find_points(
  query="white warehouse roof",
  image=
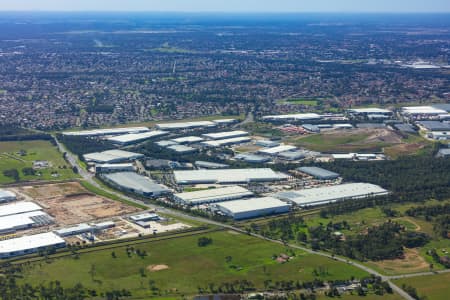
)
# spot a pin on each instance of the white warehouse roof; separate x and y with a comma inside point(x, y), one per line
point(107, 131)
point(306, 116)
point(18, 208)
point(13, 222)
point(29, 243)
point(248, 208)
point(373, 110)
point(7, 196)
point(227, 176)
point(324, 195)
point(276, 150)
point(136, 137)
point(111, 156)
point(225, 134)
point(187, 139)
point(419, 110)
point(213, 195)
point(225, 142)
point(185, 125)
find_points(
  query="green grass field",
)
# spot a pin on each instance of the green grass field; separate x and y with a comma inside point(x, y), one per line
point(434, 287)
point(35, 150)
point(189, 266)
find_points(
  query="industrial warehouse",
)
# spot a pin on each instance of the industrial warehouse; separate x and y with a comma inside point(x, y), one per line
point(253, 207)
point(132, 138)
point(212, 195)
point(225, 135)
point(112, 156)
point(330, 194)
point(30, 244)
point(227, 176)
point(134, 183)
point(319, 173)
point(107, 131)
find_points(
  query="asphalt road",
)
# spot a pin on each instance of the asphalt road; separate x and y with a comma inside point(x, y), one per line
point(175, 213)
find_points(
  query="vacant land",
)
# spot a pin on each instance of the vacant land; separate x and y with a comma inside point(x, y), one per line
point(362, 140)
point(434, 287)
point(21, 154)
point(358, 222)
point(70, 203)
point(183, 266)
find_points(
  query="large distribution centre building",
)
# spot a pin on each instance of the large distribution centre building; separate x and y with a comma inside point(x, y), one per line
point(277, 150)
point(319, 173)
point(18, 208)
point(253, 207)
point(329, 194)
point(132, 182)
point(187, 140)
point(132, 138)
point(212, 195)
point(108, 131)
point(225, 135)
point(185, 125)
point(112, 156)
point(227, 176)
point(13, 223)
point(30, 244)
point(227, 142)
point(294, 117)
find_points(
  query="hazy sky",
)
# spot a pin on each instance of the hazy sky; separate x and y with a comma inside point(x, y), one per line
point(232, 5)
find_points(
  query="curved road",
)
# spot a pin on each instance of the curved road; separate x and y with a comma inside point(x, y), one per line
point(175, 213)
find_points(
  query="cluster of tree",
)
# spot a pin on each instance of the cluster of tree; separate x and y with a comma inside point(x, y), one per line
point(9, 133)
point(204, 241)
point(409, 178)
point(381, 242)
point(10, 289)
point(81, 145)
point(412, 292)
point(441, 226)
point(12, 173)
point(28, 171)
point(237, 286)
point(428, 211)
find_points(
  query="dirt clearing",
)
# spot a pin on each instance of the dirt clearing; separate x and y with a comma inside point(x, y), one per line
point(411, 263)
point(156, 268)
point(70, 203)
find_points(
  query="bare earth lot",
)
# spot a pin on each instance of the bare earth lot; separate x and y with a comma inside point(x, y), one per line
point(70, 203)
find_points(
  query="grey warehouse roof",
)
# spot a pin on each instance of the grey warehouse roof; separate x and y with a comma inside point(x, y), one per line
point(131, 180)
point(252, 204)
point(318, 172)
point(213, 195)
point(227, 176)
point(136, 137)
point(112, 156)
point(324, 195)
point(435, 125)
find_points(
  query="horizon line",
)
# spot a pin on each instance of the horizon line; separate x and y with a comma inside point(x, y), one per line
point(224, 12)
